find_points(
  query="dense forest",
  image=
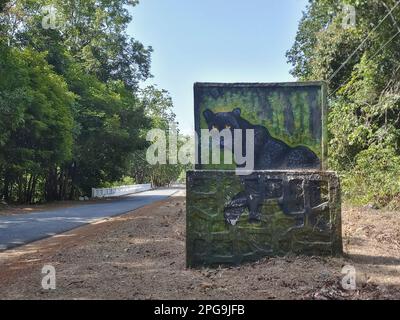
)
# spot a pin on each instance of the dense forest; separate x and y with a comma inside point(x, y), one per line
point(361, 64)
point(72, 114)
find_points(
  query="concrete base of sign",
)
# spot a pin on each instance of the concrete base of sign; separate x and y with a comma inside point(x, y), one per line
point(234, 219)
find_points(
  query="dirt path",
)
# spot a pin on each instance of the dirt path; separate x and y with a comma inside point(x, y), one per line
point(141, 255)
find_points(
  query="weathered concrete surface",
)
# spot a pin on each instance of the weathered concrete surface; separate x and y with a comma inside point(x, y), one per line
point(294, 113)
point(233, 219)
point(300, 212)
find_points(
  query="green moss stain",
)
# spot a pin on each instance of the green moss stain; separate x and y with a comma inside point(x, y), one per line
point(266, 106)
point(210, 240)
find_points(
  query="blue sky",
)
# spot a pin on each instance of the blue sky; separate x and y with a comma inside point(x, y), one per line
point(215, 41)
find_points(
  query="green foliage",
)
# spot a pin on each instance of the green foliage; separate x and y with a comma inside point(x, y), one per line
point(158, 175)
point(158, 105)
point(109, 120)
point(374, 178)
point(71, 114)
point(39, 135)
point(364, 93)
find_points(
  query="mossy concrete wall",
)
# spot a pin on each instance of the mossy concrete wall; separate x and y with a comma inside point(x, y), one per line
point(233, 219)
point(303, 229)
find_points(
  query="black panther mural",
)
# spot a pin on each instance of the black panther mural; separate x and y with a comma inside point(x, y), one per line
point(269, 154)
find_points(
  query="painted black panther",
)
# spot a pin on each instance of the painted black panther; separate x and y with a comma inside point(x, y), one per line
point(269, 154)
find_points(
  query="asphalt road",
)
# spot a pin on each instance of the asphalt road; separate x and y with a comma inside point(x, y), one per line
point(16, 230)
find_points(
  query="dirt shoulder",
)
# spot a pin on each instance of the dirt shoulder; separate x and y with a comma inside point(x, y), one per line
point(7, 210)
point(141, 255)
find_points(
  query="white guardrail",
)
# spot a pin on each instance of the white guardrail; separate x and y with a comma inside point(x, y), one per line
point(119, 191)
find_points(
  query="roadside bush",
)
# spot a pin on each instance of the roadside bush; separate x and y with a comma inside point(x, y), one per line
point(375, 179)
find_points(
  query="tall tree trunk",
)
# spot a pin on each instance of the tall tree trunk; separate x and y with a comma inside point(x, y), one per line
point(61, 180)
point(51, 185)
point(6, 191)
point(20, 192)
point(28, 186)
point(32, 189)
point(72, 173)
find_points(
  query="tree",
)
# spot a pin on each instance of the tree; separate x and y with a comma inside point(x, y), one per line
point(110, 121)
point(39, 135)
point(362, 70)
point(70, 113)
point(158, 106)
point(93, 32)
